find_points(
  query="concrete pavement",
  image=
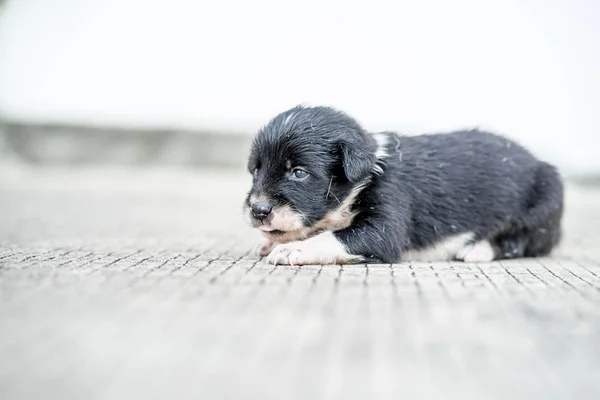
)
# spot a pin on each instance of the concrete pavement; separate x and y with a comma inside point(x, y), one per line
point(122, 284)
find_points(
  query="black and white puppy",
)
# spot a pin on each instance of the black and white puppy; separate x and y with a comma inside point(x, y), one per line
point(325, 191)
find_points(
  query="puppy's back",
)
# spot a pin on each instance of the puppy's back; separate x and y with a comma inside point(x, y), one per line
point(463, 181)
point(464, 160)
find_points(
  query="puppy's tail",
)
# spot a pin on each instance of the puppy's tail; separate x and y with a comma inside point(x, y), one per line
point(546, 203)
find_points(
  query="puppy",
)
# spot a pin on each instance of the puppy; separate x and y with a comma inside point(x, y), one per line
point(325, 191)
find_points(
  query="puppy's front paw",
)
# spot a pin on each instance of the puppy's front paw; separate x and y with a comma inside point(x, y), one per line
point(294, 253)
point(321, 249)
point(264, 248)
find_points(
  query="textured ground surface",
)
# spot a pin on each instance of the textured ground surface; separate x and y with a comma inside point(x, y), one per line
point(123, 285)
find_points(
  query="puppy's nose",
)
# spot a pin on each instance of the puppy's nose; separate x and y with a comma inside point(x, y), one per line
point(261, 209)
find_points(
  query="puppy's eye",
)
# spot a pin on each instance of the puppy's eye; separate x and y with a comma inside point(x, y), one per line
point(298, 174)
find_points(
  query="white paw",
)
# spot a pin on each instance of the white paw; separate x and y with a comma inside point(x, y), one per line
point(264, 248)
point(323, 248)
point(293, 253)
point(476, 252)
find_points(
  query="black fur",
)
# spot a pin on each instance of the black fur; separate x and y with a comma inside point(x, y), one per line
point(432, 186)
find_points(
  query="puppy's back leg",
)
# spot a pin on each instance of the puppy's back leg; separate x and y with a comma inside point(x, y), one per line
point(512, 245)
point(540, 229)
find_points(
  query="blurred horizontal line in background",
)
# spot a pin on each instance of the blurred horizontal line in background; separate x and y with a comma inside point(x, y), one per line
point(74, 145)
point(64, 145)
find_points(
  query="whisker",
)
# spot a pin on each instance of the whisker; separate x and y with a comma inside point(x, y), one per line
point(338, 200)
point(304, 218)
point(307, 223)
point(329, 191)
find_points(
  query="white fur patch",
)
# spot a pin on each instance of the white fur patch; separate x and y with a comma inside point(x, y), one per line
point(323, 248)
point(382, 142)
point(481, 251)
point(444, 250)
point(381, 152)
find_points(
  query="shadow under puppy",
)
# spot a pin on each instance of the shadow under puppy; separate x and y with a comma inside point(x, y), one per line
point(325, 191)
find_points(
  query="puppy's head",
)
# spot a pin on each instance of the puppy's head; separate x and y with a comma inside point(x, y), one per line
point(308, 164)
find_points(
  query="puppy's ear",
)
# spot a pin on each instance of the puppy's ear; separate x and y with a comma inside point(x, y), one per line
point(357, 158)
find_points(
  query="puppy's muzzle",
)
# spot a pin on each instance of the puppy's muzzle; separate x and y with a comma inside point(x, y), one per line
point(261, 210)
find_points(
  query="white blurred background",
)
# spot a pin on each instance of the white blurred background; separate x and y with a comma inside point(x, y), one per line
point(529, 69)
